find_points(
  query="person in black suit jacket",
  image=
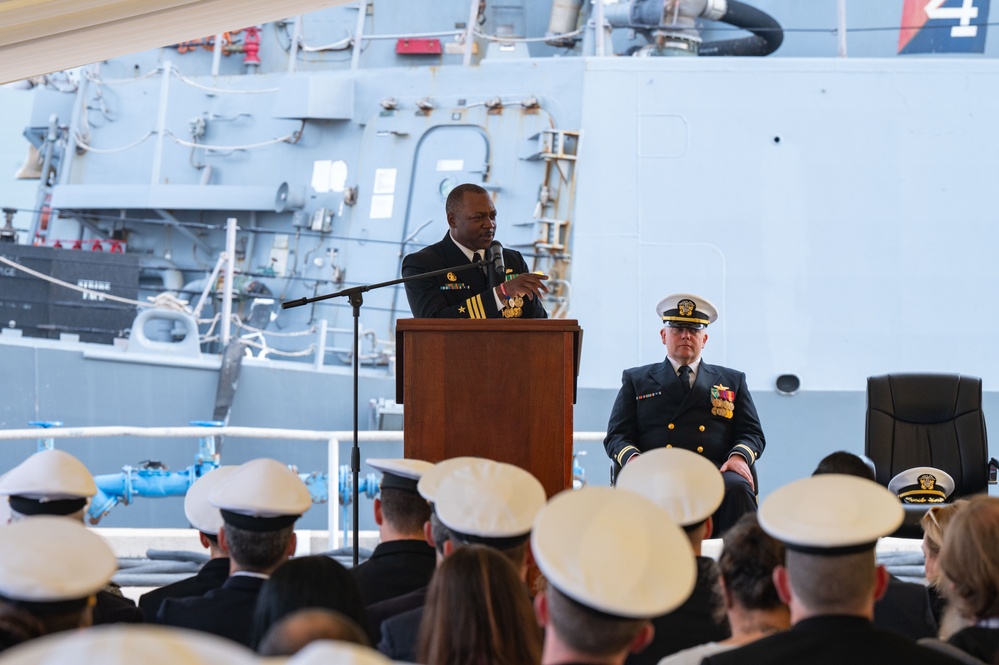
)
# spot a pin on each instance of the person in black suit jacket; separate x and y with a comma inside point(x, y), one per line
point(466, 294)
point(905, 607)
point(708, 410)
point(260, 502)
point(403, 561)
point(206, 518)
point(830, 579)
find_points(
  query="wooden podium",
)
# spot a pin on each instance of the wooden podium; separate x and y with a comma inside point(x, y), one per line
point(496, 388)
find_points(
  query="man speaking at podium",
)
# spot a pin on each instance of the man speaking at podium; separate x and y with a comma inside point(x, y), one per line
point(504, 288)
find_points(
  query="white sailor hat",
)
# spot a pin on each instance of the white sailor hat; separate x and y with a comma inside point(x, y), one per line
point(202, 515)
point(489, 501)
point(50, 482)
point(595, 546)
point(123, 644)
point(52, 564)
point(400, 474)
point(683, 310)
point(686, 485)
point(922, 484)
point(431, 478)
point(324, 652)
point(261, 495)
point(830, 514)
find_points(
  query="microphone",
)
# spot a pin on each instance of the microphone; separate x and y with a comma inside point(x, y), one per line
point(496, 270)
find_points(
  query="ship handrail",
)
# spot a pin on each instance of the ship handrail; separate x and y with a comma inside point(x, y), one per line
point(332, 438)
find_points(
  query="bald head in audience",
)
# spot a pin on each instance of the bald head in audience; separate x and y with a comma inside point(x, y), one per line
point(295, 631)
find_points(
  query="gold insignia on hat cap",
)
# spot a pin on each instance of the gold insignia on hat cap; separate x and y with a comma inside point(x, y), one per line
point(686, 310)
point(49, 475)
point(596, 546)
point(830, 514)
point(922, 484)
point(50, 559)
point(686, 485)
point(487, 499)
point(262, 488)
point(431, 478)
point(202, 515)
point(123, 644)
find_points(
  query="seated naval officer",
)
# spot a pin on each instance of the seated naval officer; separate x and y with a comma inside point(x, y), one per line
point(689, 488)
point(207, 519)
point(608, 574)
point(482, 502)
point(403, 561)
point(300, 628)
point(466, 294)
point(51, 569)
point(905, 606)
point(684, 402)
point(53, 482)
point(435, 533)
point(830, 524)
point(260, 502)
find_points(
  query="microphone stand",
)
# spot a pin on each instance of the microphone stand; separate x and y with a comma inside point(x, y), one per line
point(355, 296)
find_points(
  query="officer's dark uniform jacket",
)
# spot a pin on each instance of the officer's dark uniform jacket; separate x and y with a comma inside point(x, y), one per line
point(716, 417)
point(465, 294)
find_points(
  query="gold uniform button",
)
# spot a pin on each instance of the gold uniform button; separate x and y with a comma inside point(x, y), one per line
point(701, 428)
point(669, 445)
point(670, 426)
point(700, 449)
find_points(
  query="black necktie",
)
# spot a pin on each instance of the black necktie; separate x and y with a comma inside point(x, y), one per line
point(476, 258)
point(685, 378)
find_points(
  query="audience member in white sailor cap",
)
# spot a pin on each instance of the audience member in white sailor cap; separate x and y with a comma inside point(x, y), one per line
point(689, 488)
point(436, 535)
point(260, 502)
point(402, 561)
point(922, 485)
point(905, 606)
point(50, 482)
point(476, 501)
point(830, 524)
point(608, 571)
point(53, 482)
point(51, 569)
point(126, 645)
point(207, 519)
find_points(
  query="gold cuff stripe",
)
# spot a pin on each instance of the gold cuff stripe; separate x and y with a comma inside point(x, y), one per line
point(475, 309)
point(752, 455)
point(620, 455)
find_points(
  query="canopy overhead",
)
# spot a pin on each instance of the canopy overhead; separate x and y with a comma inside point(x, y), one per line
point(43, 36)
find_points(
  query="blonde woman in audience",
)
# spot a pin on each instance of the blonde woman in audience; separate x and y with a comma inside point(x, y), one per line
point(935, 523)
point(478, 612)
point(753, 607)
point(969, 564)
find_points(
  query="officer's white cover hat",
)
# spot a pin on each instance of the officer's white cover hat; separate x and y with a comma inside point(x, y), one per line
point(595, 545)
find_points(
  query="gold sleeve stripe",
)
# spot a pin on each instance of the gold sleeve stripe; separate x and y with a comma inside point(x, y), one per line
point(475, 308)
point(626, 449)
point(752, 456)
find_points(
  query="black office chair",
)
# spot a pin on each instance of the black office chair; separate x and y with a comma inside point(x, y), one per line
point(928, 420)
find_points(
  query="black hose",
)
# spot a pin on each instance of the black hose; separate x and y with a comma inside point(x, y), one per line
point(766, 38)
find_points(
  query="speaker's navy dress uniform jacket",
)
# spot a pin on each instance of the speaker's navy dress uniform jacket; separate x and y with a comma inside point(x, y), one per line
point(462, 295)
point(653, 411)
